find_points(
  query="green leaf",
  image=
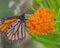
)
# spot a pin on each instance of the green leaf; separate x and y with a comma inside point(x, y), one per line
point(44, 3)
point(49, 45)
point(57, 8)
point(43, 41)
point(57, 27)
point(51, 3)
point(37, 1)
point(58, 2)
point(18, 15)
point(31, 5)
point(51, 38)
point(27, 16)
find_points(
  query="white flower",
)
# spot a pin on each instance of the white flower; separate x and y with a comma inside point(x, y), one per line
point(16, 11)
point(11, 4)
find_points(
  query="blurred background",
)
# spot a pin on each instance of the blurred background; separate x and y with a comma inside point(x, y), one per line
point(12, 7)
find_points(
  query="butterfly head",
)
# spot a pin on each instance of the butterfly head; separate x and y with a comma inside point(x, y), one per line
point(22, 18)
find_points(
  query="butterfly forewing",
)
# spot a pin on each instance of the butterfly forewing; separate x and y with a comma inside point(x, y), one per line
point(6, 22)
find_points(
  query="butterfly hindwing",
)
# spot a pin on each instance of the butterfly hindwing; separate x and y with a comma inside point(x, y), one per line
point(21, 31)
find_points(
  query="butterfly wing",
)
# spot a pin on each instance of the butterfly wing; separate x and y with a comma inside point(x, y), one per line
point(16, 31)
point(13, 29)
point(6, 22)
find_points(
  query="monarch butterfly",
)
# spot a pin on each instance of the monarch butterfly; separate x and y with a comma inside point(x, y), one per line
point(13, 27)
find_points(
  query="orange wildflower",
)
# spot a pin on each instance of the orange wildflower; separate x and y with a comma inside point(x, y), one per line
point(41, 21)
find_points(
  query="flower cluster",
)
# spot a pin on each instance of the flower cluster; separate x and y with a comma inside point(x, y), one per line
point(41, 22)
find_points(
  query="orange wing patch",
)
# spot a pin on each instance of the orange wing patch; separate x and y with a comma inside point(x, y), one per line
point(6, 24)
point(4, 27)
point(10, 20)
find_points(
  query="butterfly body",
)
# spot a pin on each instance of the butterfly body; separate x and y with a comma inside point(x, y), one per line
point(22, 18)
point(13, 27)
